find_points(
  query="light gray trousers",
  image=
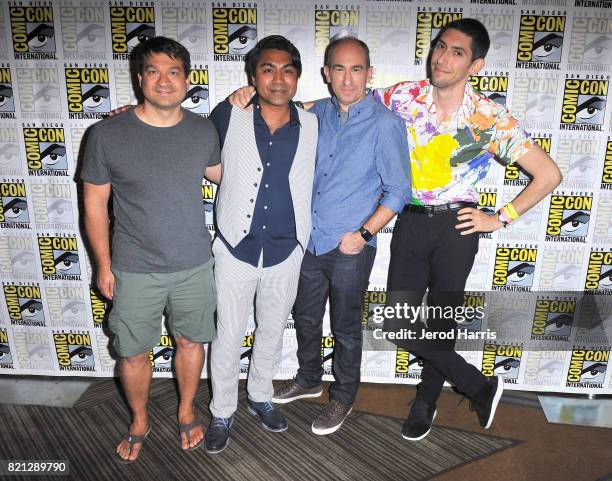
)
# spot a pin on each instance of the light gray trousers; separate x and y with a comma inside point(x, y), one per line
point(274, 289)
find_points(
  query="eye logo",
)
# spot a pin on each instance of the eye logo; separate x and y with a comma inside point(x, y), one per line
point(130, 26)
point(568, 218)
point(502, 360)
point(6, 358)
point(197, 98)
point(24, 304)
point(540, 41)
point(14, 206)
point(46, 151)
point(162, 355)
point(33, 32)
point(584, 104)
point(327, 353)
point(7, 99)
point(553, 319)
point(428, 26)
point(59, 258)
point(246, 351)
point(587, 368)
point(494, 87)
point(74, 351)
point(88, 92)
point(514, 268)
point(591, 42)
point(234, 32)
point(599, 272)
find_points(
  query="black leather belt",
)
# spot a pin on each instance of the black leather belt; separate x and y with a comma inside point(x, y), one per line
point(437, 209)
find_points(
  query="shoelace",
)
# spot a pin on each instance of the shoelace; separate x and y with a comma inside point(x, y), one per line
point(267, 406)
point(332, 409)
point(286, 385)
point(223, 423)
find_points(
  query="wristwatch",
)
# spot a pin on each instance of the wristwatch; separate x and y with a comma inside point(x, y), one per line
point(366, 234)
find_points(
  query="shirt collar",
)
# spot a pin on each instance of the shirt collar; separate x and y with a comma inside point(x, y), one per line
point(366, 102)
point(294, 117)
point(467, 105)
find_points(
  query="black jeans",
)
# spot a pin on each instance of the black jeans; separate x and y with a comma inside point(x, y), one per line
point(344, 279)
point(428, 252)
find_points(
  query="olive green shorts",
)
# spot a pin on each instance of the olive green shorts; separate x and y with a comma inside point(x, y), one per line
point(139, 300)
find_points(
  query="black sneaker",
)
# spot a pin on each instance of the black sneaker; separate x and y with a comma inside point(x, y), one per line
point(485, 402)
point(418, 423)
point(270, 417)
point(218, 434)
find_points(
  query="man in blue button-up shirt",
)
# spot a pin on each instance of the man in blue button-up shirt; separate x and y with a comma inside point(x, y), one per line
point(362, 179)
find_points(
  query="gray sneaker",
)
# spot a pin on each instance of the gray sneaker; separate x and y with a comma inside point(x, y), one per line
point(290, 390)
point(331, 418)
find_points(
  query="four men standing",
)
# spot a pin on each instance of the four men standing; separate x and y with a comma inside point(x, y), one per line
point(362, 179)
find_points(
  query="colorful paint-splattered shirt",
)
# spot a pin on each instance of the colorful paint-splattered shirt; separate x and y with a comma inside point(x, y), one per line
point(447, 159)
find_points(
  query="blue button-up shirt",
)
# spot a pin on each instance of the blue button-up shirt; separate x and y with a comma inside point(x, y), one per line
point(358, 162)
point(273, 224)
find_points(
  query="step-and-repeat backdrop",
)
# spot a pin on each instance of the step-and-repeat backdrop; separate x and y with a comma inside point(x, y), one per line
point(541, 285)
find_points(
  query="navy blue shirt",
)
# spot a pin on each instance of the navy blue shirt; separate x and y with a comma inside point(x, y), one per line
point(273, 225)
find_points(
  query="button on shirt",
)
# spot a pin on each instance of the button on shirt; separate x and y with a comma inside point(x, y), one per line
point(273, 225)
point(357, 160)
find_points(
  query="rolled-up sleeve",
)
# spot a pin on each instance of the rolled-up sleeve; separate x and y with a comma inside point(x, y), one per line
point(393, 164)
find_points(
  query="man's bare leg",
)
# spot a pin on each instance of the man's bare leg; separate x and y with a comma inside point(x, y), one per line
point(135, 373)
point(188, 362)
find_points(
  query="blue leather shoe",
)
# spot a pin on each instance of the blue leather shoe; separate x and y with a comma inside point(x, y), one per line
point(270, 417)
point(218, 434)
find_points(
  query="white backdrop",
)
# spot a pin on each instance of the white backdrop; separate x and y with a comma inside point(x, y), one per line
point(63, 64)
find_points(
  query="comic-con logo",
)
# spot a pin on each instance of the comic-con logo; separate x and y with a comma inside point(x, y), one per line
point(14, 213)
point(388, 35)
point(533, 100)
point(584, 104)
point(606, 176)
point(59, 258)
point(553, 319)
point(487, 199)
point(52, 205)
point(234, 33)
point(17, 259)
point(208, 199)
point(587, 368)
point(246, 351)
point(333, 24)
point(599, 273)
point(407, 365)
point(83, 32)
point(544, 368)
point(372, 300)
point(514, 175)
point(46, 150)
point(502, 360)
point(10, 158)
point(428, 25)
point(32, 349)
point(88, 92)
point(24, 304)
point(540, 41)
point(98, 308)
point(33, 32)
point(162, 355)
point(130, 26)
point(73, 351)
point(568, 218)
point(197, 97)
point(514, 268)
point(591, 42)
point(66, 305)
point(473, 321)
point(500, 27)
point(577, 158)
point(39, 92)
point(327, 353)
point(6, 358)
point(187, 25)
point(561, 268)
point(494, 87)
point(7, 99)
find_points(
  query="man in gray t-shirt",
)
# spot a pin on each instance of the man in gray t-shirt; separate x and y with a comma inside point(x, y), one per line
point(152, 158)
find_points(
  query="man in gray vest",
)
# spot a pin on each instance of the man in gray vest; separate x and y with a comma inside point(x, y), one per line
point(263, 225)
point(151, 161)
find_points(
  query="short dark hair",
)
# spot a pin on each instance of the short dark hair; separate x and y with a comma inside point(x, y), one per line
point(329, 51)
point(477, 32)
point(271, 42)
point(170, 47)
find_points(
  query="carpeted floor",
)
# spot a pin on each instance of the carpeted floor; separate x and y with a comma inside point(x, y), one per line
point(366, 448)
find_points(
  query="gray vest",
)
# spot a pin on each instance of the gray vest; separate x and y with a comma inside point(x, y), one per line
point(241, 180)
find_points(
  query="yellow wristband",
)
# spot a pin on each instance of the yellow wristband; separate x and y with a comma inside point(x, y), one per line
point(511, 211)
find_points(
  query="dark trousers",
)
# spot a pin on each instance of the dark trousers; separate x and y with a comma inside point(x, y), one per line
point(428, 252)
point(344, 279)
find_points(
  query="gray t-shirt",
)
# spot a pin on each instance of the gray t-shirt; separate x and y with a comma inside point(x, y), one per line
point(156, 178)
